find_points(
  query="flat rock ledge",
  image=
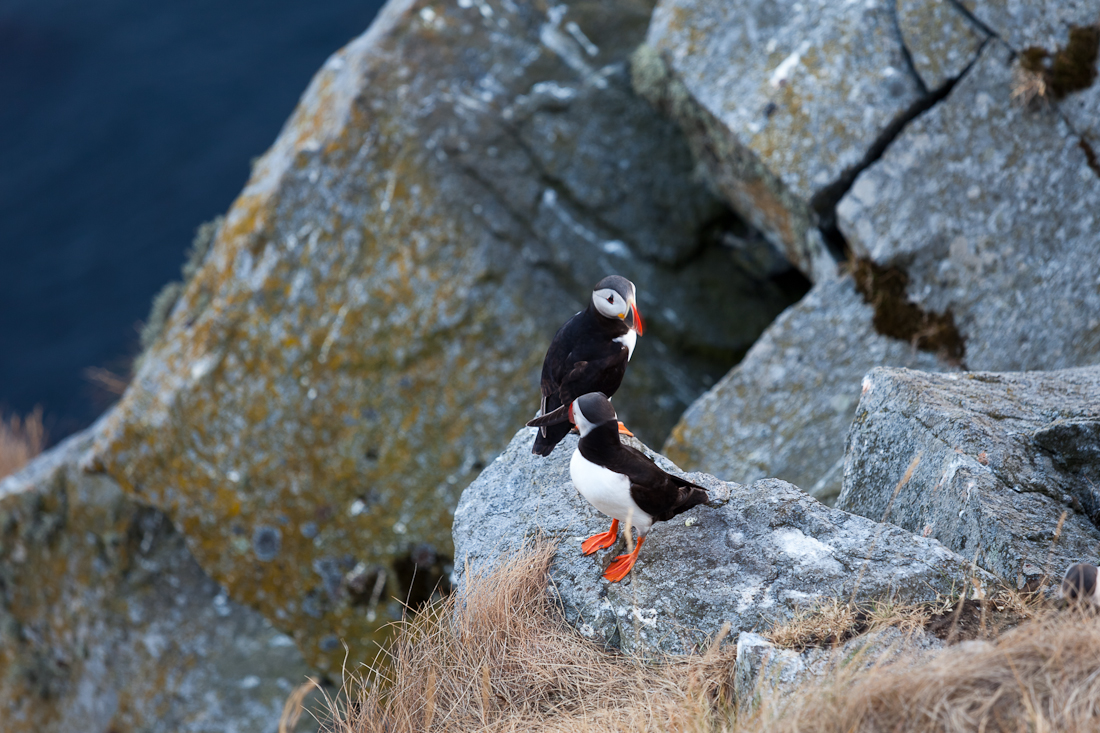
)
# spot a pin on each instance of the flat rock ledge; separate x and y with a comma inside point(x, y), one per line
point(751, 557)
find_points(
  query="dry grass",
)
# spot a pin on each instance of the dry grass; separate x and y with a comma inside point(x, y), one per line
point(20, 441)
point(951, 620)
point(1041, 676)
point(499, 657)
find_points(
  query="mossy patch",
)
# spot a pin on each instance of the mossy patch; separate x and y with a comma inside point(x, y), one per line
point(884, 288)
point(166, 297)
point(1070, 68)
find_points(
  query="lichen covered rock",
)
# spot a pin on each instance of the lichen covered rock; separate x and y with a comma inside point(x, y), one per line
point(368, 327)
point(750, 557)
point(107, 622)
point(1002, 458)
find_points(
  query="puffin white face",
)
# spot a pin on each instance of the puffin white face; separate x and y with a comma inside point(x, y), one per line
point(618, 300)
point(610, 303)
point(576, 416)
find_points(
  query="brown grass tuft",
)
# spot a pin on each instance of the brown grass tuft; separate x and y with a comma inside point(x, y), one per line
point(500, 657)
point(1041, 676)
point(20, 441)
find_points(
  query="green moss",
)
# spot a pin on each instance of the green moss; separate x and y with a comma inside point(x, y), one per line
point(1070, 68)
point(884, 288)
point(166, 297)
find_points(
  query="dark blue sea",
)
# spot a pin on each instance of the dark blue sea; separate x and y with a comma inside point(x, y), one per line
point(124, 124)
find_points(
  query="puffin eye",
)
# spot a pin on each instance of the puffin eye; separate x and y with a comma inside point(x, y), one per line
point(611, 299)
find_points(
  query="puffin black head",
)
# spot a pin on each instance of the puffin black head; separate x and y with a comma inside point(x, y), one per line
point(615, 297)
point(591, 411)
point(1079, 584)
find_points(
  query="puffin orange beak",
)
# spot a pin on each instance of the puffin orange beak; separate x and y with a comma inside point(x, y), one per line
point(636, 321)
point(571, 414)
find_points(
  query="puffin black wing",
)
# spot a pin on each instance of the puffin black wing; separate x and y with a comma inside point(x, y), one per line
point(658, 493)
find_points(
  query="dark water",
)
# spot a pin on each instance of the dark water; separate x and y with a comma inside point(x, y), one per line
point(123, 125)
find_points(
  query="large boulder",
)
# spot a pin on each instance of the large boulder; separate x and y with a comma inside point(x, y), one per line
point(994, 213)
point(368, 327)
point(970, 229)
point(108, 624)
point(785, 102)
point(1009, 465)
point(752, 556)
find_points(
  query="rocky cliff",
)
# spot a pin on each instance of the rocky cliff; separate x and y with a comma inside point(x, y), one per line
point(363, 338)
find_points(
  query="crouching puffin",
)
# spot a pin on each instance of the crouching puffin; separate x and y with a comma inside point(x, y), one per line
point(1079, 584)
point(621, 481)
point(588, 354)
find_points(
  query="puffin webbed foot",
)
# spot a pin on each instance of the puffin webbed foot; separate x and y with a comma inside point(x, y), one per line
point(623, 430)
point(601, 541)
point(622, 564)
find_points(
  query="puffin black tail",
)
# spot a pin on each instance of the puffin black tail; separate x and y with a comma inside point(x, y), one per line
point(544, 444)
point(689, 496)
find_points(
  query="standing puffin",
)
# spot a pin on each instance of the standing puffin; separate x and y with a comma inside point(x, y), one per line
point(621, 481)
point(588, 354)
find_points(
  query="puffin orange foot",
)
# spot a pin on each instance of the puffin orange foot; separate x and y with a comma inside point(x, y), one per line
point(623, 430)
point(602, 540)
point(622, 564)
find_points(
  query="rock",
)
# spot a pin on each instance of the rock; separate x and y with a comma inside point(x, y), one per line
point(368, 327)
point(784, 410)
point(1003, 457)
point(968, 237)
point(756, 83)
point(752, 556)
point(1004, 258)
point(940, 40)
point(761, 663)
point(1023, 23)
point(107, 622)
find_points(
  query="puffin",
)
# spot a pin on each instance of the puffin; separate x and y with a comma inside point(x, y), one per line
point(1079, 584)
point(588, 354)
point(621, 481)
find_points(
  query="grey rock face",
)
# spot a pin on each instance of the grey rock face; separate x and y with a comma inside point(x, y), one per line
point(107, 622)
point(1002, 457)
point(940, 39)
point(752, 556)
point(784, 411)
point(757, 85)
point(986, 207)
point(1023, 23)
point(369, 325)
point(761, 665)
point(993, 211)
